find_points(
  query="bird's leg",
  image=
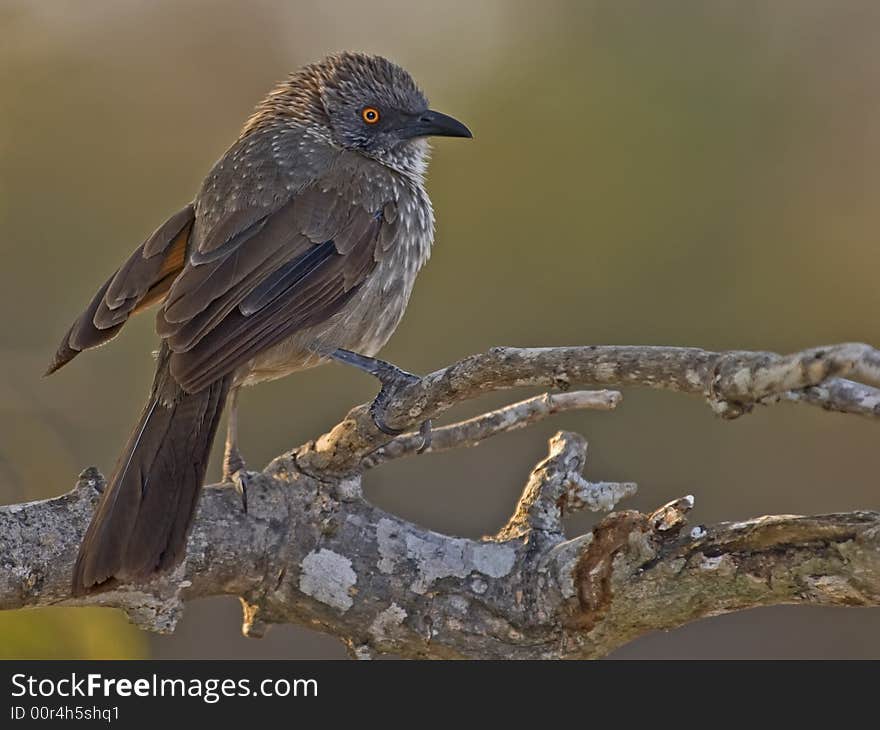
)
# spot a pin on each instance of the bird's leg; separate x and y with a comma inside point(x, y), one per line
point(392, 379)
point(234, 467)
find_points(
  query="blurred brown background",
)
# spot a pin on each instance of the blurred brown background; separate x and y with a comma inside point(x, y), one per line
point(691, 173)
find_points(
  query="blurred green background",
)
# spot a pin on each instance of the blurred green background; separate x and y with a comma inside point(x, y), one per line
point(693, 173)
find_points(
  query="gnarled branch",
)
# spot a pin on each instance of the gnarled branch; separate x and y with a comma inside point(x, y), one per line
point(312, 551)
point(731, 382)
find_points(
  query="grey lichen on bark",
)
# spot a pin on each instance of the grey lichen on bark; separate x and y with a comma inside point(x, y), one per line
point(312, 551)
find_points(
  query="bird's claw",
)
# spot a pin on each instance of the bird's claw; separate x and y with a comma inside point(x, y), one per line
point(393, 380)
point(425, 430)
point(379, 422)
point(241, 479)
point(427, 434)
point(235, 472)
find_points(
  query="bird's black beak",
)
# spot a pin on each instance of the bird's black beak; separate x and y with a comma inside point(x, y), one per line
point(435, 124)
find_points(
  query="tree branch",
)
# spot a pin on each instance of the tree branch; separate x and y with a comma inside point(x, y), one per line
point(312, 551)
point(731, 382)
point(476, 430)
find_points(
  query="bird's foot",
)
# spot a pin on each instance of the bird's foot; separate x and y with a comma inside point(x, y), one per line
point(235, 472)
point(393, 380)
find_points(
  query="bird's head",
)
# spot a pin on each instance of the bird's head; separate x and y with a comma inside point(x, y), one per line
point(363, 103)
point(374, 105)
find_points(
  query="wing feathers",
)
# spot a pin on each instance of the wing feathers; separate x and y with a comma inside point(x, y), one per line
point(142, 280)
point(286, 277)
point(299, 268)
point(242, 284)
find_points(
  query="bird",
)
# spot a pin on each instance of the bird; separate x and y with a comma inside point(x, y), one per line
point(300, 248)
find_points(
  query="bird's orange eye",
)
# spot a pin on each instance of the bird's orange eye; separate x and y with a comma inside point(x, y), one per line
point(370, 115)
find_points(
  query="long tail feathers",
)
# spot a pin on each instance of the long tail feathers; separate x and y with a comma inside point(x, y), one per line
point(143, 518)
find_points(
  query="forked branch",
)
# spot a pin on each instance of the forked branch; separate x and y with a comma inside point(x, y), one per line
point(312, 551)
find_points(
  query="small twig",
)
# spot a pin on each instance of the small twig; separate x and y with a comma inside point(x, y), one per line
point(556, 486)
point(672, 515)
point(475, 430)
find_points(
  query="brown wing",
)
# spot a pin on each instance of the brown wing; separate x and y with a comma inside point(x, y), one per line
point(290, 269)
point(141, 281)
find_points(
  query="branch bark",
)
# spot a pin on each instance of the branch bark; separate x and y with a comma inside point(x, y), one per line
point(731, 382)
point(312, 551)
